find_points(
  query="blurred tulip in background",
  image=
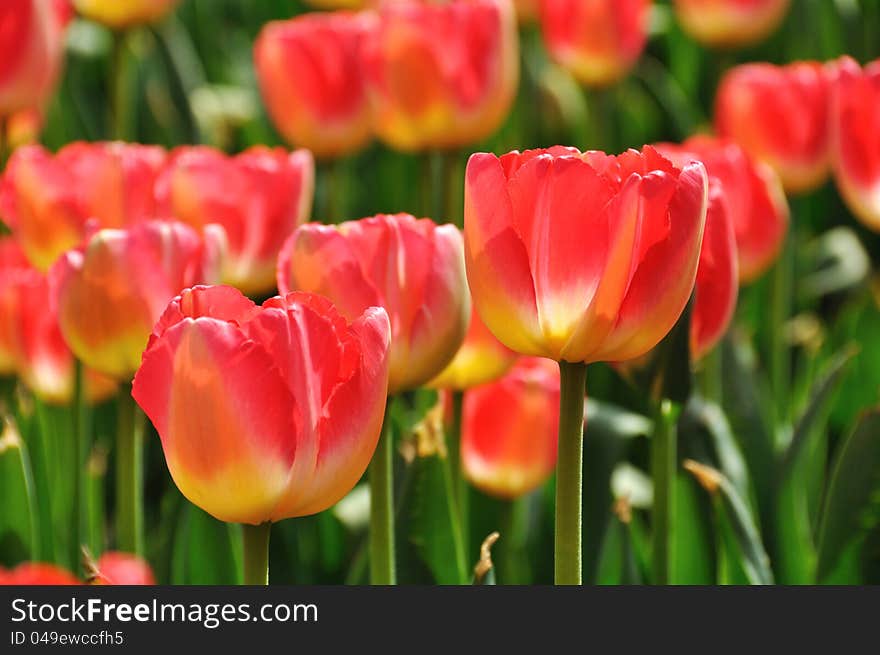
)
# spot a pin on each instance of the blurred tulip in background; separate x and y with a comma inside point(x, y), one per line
point(730, 23)
point(122, 14)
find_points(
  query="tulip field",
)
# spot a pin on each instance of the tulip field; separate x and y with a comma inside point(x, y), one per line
point(440, 292)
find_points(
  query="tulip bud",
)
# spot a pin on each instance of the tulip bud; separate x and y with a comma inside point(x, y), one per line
point(441, 75)
point(259, 197)
point(755, 200)
point(291, 399)
point(480, 359)
point(509, 429)
point(116, 568)
point(31, 52)
point(413, 268)
point(855, 119)
point(730, 23)
point(598, 41)
point(309, 70)
point(779, 115)
point(36, 573)
point(122, 14)
point(582, 257)
point(111, 291)
point(48, 200)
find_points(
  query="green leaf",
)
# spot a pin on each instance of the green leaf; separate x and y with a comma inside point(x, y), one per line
point(19, 520)
point(693, 558)
point(204, 552)
point(852, 504)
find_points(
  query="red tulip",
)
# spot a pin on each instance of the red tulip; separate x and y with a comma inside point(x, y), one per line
point(412, 268)
point(480, 359)
point(441, 75)
point(259, 197)
point(856, 138)
point(309, 70)
point(116, 568)
point(509, 429)
point(597, 40)
point(755, 199)
point(120, 14)
point(779, 115)
point(36, 573)
point(291, 399)
point(13, 266)
point(31, 52)
point(582, 257)
point(111, 291)
point(730, 23)
point(48, 200)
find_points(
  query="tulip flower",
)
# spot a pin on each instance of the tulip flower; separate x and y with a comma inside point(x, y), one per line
point(23, 128)
point(480, 359)
point(779, 115)
point(259, 197)
point(116, 568)
point(754, 196)
point(581, 257)
point(441, 75)
point(31, 52)
point(13, 266)
point(309, 71)
point(509, 427)
point(292, 397)
point(110, 291)
point(36, 573)
point(856, 138)
point(413, 268)
point(598, 41)
point(47, 201)
point(730, 23)
point(122, 14)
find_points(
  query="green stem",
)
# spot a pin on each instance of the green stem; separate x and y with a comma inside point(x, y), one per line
point(4, 140)
point(333, 200)
point(455, 519)
point(780, 310)
point(711, 376)
point(77, 438)
point(255, 539)
point(118, 88)
point(514, 517)
point(460, 484)
point(663, 463)
point(452, 201)
point(569, 474)
point(96, 470)
point(382, 566)
point(129, 475)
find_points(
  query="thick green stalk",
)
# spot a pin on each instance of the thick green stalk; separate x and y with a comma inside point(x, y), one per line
point(255, 539)
point(460, 484)
point(711, 375)
point(780, 310)
point(119, 88)
point(569, 474)
point(129, 475)
point(455, 520)
point(663, 463)
point(382, 563)
point(77, 437)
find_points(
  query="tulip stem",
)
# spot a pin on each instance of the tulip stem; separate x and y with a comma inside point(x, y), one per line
point(129, 475)
point(569, 474)
point(4, 140)
point(118, 88)
point(382, 566)
point(255, 539)
point(780, 309)
point(450, 484)
point(461, 488)
point(664, 456)
point(77, 419)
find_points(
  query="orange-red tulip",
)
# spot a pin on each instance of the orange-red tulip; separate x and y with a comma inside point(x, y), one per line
point(23, 128)
point(480, 360)
point(509, 429)
point(47, 200)
point(598, 41)
point(730, 23)
point(36, 573)
point(111, 291)
point(755, 199)
point(120, 14)
point(31, 52)
point(779, 115)
point(259, 197)
point(116, 568)
point(13, 267)
point(291, 398)
point(856, 138)
point(309, 70)
point(413, 268)
point(582, 257)
point(441, 75)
